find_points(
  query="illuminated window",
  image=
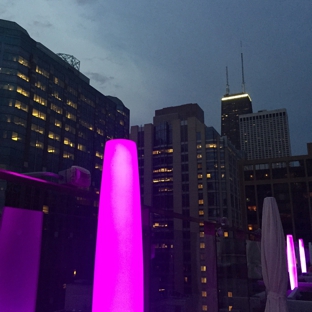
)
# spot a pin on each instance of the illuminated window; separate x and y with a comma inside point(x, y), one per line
point(98, 154)
point(163, 170)
point(70, 116)
point(22, 76)
point(56, 95)
point(252, 208)
point(199, 176)
point(15, 136)
point(68, 155)
point(202, 245)
point(58, 123)
point(56, 108)
point(100, 131)
point(74, 273)
point(230, 294)
point(200, 202)
point(204, 293)
point(208, 175)
point(199, 156)
point(226, 234)
point(185, 279)
point(71, 103)
point(22, 91)
point(67, 141)
point(39, 114)
point(45, 209)
point(201, 212)
point(40, 85)
point(201, 234)
point(211, 145)
point(162, 180)
point(40, 100)
point(37, 144)
point(37, 128)
point(205, 308)
point(20, 105)
point(98, 166)
point(203, 280)
point(54, 136)
point(203, 268)
point(58, 82)
point(250, 227)
point(52, 150)
point(22, 61)
point(42, 72)
point(230, 308)
point(200, 186)
point(198, 146)
point(81, 147)
point(201, 223)
point(121, 122)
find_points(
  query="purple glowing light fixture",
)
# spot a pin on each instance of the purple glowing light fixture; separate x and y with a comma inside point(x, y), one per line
point(20, 242)
point(291, 260)
point(303, 262)
point(118, 272)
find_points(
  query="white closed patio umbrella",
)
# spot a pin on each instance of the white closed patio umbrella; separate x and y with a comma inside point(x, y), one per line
point(273, 257)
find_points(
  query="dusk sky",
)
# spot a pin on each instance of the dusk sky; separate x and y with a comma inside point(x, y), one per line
point(154, 54)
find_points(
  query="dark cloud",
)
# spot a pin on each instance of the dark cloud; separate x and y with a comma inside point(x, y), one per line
point(99, 78)
point(44, 24)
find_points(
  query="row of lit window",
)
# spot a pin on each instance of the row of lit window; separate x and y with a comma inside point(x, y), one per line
point(200, 176)
point(165, 151)
point(162, 170)
point(160, 225)
point(163, 180)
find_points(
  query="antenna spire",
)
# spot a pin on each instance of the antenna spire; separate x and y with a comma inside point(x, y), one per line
point(227, 90)
point(243, 78)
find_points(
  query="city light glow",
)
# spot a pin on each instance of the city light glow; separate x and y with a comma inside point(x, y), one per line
point(291, 260)
point(20, 244)
point(118, 273)
point(303, 262)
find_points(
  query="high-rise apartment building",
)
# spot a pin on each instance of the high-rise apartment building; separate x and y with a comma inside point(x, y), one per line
point(265, 134)
point(233, 105)
point(51, 117)
point(189, 169)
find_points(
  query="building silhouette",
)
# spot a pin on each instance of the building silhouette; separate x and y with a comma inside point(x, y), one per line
point(232, 106)
point(185, 168)
point(51, 118)
point(289, 180)
point(265, 134)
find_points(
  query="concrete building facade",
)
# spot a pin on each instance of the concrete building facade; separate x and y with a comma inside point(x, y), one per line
point(265, 134)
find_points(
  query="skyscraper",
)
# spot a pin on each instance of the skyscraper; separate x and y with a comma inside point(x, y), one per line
point(189, 169)
point(51, 118)
point(233, 105)
point(265, 134)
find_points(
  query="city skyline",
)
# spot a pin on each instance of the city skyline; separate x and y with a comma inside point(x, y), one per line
point(167, 54)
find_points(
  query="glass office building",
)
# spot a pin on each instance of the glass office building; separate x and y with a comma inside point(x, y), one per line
point(51, 117)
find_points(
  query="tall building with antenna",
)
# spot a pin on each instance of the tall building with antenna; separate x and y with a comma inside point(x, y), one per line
point(233, 105)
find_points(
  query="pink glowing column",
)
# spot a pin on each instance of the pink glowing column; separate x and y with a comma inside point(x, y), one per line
point(118, 272)
point(291, 260)
point(303, 262)
point(20, 244)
